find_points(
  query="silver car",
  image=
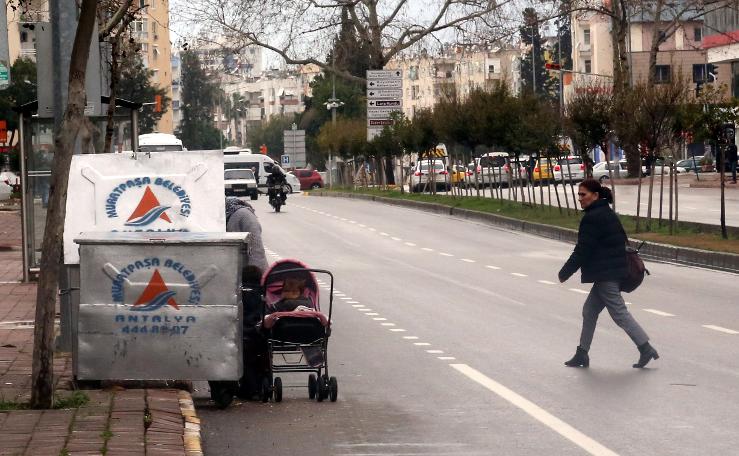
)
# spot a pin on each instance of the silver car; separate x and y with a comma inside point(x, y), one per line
point(240, 182)
point(421, 179)
point(498, 169)
point(569, 169)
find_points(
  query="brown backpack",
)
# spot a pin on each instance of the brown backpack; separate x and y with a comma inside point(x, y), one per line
point(635, 269)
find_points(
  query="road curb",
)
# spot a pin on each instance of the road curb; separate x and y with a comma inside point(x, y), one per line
point(191, 433)
point(721, 261)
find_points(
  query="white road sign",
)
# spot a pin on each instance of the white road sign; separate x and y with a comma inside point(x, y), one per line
point(385, 93)
point(384, 74)
point(384, 83)
point(285, 159)
point(381, 113)
point(384, 103)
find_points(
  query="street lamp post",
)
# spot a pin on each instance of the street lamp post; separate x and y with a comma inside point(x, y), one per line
point(332, 104)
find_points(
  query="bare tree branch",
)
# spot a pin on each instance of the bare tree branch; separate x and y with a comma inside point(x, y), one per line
point(115, 19)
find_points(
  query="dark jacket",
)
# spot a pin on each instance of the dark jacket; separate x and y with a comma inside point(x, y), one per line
point(731, 154)
point(600, 253)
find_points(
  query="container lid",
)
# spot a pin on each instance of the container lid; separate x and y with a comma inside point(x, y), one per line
point(154, 238)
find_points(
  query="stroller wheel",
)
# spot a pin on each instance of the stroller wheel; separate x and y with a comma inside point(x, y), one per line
point(312, 386)
point(278, 389)
point(333, 385)
point(266, 389)
point(323, 388)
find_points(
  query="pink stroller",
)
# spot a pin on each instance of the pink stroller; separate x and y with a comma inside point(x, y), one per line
point(296, 330)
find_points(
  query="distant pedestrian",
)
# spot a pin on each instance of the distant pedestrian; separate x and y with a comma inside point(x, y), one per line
point(600, 254)
point(731, 157)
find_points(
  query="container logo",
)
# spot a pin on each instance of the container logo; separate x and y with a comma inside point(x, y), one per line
point(155, 295)
point(149, 208)
point(148, 211)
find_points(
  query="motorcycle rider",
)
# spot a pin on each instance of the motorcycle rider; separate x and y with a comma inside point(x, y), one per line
point(275, 182)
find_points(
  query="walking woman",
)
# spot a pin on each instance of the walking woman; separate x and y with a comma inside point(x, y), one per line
point(600, 254)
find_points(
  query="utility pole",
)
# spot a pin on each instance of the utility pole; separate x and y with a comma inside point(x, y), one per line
point(533, 61)
point(332, 104)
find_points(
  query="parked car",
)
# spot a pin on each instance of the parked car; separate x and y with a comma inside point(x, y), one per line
point(497, 168)
point(424, 175)
point(691, 165)
point(541, 173)
point(309, 178)
point(461, 175)
point(569, 169)
point(601, 170)
point(661, 166)
point(239, 182)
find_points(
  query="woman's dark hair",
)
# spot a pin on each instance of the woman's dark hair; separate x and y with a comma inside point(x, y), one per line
point(594, 186)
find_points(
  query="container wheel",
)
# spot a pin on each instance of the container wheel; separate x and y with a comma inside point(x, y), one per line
point(266, 389)
point(278, 389)
point(333, 385)
point(221, 394)
point(312, 386)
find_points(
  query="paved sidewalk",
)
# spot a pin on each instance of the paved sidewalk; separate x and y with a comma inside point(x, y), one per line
point(114, 422)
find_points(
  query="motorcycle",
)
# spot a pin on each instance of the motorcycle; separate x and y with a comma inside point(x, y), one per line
point(277, 196)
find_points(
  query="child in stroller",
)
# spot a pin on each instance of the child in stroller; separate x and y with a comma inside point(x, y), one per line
point(296, 330)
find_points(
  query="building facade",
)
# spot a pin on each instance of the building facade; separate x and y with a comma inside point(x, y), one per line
point(151, 31)
point(428, 79)
point(682, 53)
point(721, 42)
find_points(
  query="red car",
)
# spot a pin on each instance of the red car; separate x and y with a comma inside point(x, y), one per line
point(309, 179)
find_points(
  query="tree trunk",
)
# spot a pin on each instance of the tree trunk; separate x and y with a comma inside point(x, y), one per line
point(389, 171)
point(619, 34)
point(721, 155)
point(110, 124)
point(42, 389)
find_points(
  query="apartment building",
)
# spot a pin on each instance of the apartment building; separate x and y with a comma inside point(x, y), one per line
point(22, 23)
point(721, 42)
point(592, 51)
point(151, 31)
point(427, 79)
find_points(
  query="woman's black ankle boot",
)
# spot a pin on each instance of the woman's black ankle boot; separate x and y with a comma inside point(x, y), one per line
point(646, 354)
point(581, 359)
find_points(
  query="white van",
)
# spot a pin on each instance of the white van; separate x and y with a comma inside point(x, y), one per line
point(260, 164)
point(159, 142)
point(232, 150)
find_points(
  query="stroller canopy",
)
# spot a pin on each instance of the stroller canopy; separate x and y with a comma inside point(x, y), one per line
point(275, 276)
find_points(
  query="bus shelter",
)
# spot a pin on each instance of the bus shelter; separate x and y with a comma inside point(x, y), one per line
point(36, 158)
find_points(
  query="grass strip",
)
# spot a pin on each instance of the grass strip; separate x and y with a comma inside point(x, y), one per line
point(685, 235)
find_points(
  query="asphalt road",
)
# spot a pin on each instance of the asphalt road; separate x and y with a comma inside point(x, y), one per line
point(695, 204)
point(449, 338)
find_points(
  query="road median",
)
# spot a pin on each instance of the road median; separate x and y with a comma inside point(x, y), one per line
point(723, 261)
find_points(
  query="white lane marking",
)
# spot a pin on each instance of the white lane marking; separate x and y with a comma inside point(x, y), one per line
point(352, 221)
point(721, 329)
point(379, 318)
point(396, 238)
point(445, 254)
point(352, 302)
point(387, 324)
point(410, 337)
point(427, 249)
point(446, 358)
point(409, 244)
point(397, 330)
point(338, 294)
point(371, 313)
point(343, 219)
point(363, 225)
point(491, 266)
point(659, 312)
point(628, 303)
point(518, 274)
point(536, 412)
point(688, 207)
point(346, 299)
point(467, 260)
point(382, 233)
point(546, 282)
point(422, 344)
point(577, 290)
point(358, 305)
point(435, 352)
point(372, 229)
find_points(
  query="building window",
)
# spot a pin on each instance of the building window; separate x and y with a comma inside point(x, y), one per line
point(155, 52)
point(586, 37)
point(415, 92)
point(154, 28)
point(24, 37)
point(491, 69)
point(697, 34)
point(588, 66)
point(662, 74)
point(699, 72)
point(175, 104)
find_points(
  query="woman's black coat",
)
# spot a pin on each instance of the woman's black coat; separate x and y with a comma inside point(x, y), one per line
point(600, 252)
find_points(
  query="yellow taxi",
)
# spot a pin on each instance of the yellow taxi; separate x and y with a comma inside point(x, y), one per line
point(460, 175)
point(542, 172)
